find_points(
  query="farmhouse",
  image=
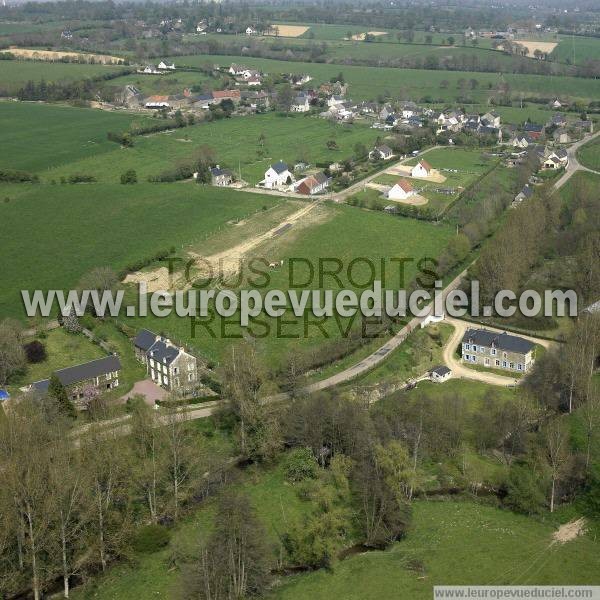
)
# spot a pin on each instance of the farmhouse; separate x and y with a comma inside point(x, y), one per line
point(491, 119)
point(533, 130)
point(561, 136)
point(167, 364)
point(421, 169)
point(233, 95)
point(166, 66)
point(220, 177)
point(497, 350)
point(95, 376)
point(151, 70)
point(524, 194)
point(130, 96)
point(313, 184)
point(277, 175)
point(381, 153)
point(401, 190)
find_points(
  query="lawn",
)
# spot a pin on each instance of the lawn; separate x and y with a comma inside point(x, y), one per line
point(237, 144)
point(172, 83)
point(63, 350)
point(79, 227)
point(15, 73)
point(454, 543)
point(36, 137)
point(367, 82)
point(577, 49)
point(335, 231)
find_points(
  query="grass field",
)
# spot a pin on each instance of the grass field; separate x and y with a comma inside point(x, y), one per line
point(79, 227)
point(161, 84)
point(68, 134)
point(15, 73)
point(589, 155)
point(336, 231)
point(454, 543)
point(236, 144)
point(367, 83)
point(577, 49)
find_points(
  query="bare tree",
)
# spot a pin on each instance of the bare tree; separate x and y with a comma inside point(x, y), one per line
point(12, 355)
point(557, 454)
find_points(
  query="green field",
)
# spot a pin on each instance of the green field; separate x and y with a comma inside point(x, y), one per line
point(15, 73)
point(367, 83)
point(79, 227)
point(577, 49)
point(589, 154)
point(454, 543)
point(161, 84)
point(335, 231)
point(236, 144)
point(68, 134)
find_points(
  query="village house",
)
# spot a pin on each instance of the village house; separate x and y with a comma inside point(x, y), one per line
point(220, 177)
point(234, 95)
point(520, 141)
point(256, 99)
point(300, 104)
point(85, 380)
point(313, 184)
point(130, 96)
point(250, 31)
point(151, 70)
point(533, 130)
point(168, 365)
point(201, 27)
point(523, 195)
point(491, 119)
point(561, 136)
point(277, 175)
point(401, 190)
point(381, 152)
point(421, 169)
point(497, 350)
point(166, 66)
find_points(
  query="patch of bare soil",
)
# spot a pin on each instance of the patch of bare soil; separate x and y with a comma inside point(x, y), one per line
point(406, 170)
point(569, 531)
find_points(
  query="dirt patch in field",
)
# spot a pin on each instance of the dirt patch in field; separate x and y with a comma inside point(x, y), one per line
point(406, 170)
point(290, 30)
point(569, 531)
point(545, 47)
point(414, 200)
point(155, 280)
point(360, 37)
point(51, 55)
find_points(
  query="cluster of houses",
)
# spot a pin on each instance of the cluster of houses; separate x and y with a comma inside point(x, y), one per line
point(190, 101)
point(280, 177)
point(168, 365)
point(245, 75)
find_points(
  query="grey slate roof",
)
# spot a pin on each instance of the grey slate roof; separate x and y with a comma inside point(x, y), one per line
point(163, 353)
point(502, 341)
point(144, 339)
point(78, 373)
point(441, 371)
point(279, 167)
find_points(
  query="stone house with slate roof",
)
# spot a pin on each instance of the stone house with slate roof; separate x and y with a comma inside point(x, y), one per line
point(101, 375)
point(168, 365)
point(497, 350)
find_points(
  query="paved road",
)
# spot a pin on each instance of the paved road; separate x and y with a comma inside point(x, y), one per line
point(574, 165)
point(461, 371)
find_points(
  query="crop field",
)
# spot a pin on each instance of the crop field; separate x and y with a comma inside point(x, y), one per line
point(367, 83)
point(334, 231)
point(237, 143)
point(69, 134)
point(15, 73)
point(129, 223)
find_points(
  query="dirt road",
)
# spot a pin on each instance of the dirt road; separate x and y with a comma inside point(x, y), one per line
point(574, 164)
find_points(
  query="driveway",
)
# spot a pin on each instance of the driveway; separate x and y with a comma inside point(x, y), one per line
point(574, 165)
point(461, 371)
point(149, 390)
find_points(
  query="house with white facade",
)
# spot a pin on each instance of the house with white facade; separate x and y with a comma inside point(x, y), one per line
point(421, 169)
point(277, 175)
point(300, 104)
point(401, 190)
point(166, 66)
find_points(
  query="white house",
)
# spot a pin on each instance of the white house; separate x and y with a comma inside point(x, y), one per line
point(250, 31)
point(382, 152)
point(421, 169)
point(201, 27)
point(163, 65)
point(401, 190)
point(440, 374)
point(277, 175)
point(300, 104)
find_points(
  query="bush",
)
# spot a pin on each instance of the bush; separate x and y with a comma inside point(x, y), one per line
point(35, 352)
point(300, 464)
point(129, 176)
point(81, 178)
point(14, 176)
point(151, 538)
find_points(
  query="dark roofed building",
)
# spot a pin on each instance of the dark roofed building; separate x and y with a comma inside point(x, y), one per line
point(101, 374)
point(440, 374)
point(498, 350)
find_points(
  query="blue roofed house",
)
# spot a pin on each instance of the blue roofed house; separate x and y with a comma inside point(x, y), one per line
point(168, 365)
point(277, 175)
